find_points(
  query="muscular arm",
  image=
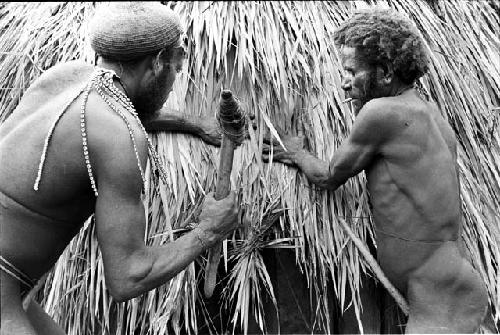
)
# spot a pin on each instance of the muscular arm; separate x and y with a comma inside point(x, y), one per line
point(372, 128)
point(169, 121)
point(132, 268)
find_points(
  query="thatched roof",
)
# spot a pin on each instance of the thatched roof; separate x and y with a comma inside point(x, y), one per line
point(279, 60)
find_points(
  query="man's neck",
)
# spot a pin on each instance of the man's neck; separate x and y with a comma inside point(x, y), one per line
point(397, 88)
point(125, 82)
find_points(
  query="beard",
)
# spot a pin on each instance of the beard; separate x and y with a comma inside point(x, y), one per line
point(152, 97)
point(370, 88)
point(368, 92)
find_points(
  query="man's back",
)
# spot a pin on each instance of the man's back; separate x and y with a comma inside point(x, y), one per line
point(414, 188)
point(95, 162)
point(414, 180)
point(415, 194)
point(22, 139)
point(53, 214)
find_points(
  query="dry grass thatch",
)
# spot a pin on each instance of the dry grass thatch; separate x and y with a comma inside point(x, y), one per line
point(279, 59)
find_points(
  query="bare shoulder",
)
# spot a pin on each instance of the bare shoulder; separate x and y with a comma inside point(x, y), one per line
point(110, 133)
point(49, 92)
point(62, 77)
point(381, 109)
point(66, 71)
point(379, 119)
point(113, 148)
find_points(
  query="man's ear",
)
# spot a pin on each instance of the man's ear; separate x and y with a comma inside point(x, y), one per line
point(385, 74)
point(157, 63)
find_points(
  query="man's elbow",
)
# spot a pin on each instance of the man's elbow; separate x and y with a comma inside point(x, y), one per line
point(330, 185)
point(128, 288)
point(335, 179)
point(324, 182)
point(131, 282)
point(120, 295)
point(124, 289)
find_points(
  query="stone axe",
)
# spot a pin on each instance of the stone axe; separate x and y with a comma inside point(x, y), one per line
point(232, 123)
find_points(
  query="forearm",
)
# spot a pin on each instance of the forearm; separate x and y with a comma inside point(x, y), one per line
point(157, 265)
point(173, 122)
point(317, 171)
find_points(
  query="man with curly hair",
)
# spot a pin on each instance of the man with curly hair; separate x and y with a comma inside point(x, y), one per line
point(409, 154)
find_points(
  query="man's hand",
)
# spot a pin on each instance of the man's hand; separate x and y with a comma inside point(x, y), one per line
point(218, 218)
point(166, 120)
point(375, 125)
point(293, 145)
point(206, 128)
point(210, 131)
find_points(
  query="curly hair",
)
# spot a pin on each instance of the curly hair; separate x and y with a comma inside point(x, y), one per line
point(382, 37)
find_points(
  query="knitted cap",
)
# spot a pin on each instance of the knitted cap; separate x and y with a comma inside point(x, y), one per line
point(129, 30)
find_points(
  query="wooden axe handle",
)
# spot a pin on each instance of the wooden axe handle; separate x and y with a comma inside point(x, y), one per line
point(222, 189)
point(232, 124)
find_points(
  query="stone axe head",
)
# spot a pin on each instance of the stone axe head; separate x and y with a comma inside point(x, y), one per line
point(231, 118)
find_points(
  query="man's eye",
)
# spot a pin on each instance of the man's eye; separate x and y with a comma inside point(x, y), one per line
point(347, 73)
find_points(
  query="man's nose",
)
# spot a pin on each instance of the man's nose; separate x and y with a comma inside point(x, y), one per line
point(346, 84)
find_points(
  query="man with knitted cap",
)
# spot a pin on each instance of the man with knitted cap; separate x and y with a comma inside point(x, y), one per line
point(128, 31)
point(78, 147)
point(124, 33)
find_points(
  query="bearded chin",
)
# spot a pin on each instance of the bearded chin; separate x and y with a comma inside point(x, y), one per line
point(370, 90)
point(152, 97)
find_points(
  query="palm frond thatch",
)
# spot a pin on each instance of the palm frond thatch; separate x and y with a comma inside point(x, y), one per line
point(279, 59)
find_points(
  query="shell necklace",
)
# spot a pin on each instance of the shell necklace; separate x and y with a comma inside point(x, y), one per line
point(102, 81)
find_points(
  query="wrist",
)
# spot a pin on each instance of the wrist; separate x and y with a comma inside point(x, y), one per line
point(298, 157)
point(201, 236)
point(206, 237)
point(194, 124)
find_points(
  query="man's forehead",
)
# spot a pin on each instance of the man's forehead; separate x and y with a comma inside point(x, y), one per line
point(351, 58)
point(348, 55)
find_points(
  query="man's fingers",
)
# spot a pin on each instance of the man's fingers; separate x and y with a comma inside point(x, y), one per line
point(301, 127)
point(276, 147)
point(232, 196)
point(268, 139)
point(277, 158)
point(266, 148)
point(251, 116)
point(300, 131)
point(209, 198)
point(250, 123)
point(216, 142)
point(265, 158)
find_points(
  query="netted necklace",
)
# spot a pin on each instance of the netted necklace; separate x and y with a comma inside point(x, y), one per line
point(102, 81)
